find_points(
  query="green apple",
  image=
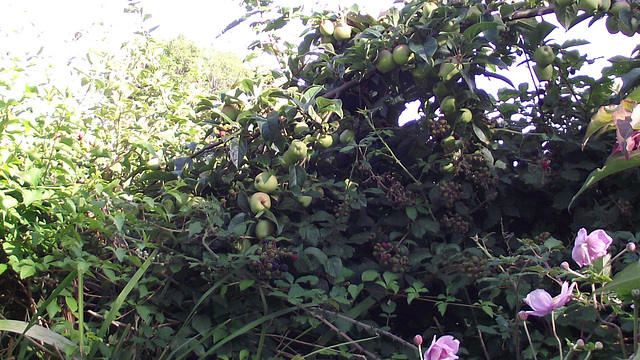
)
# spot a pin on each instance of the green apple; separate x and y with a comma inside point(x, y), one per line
point(428, 8)
point(473, 14)
point(327, 40)
point(347, 136)
point(327, 27)
point(448, 143)
point(449, 71)
point(300, 128)
point(266, 182)
point(401, 54)
point(264, 228)
point(297, 151)
point(384, 63)
point(544, 55)
point(304, 200)
point(448, 105)
point(612, 25)
point(342, 32)
point(543, 72)
point(324, 141)
point(465, 115)
point(618, 7)
point(155, 163)
point(589, 6)
point(451, 26)
point(259, 201)
point(231, 111)
point(421, 71)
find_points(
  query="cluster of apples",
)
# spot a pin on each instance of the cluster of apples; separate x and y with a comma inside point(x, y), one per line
point(335, 31)
point(389, 60)
point(544, 58)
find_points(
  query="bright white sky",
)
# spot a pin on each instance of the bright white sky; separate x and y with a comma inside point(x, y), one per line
point(69, 28)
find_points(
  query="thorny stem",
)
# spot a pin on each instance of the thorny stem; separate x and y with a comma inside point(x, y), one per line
point(393, 155)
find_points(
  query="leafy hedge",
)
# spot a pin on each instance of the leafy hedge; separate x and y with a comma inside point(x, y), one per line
point(131, 229)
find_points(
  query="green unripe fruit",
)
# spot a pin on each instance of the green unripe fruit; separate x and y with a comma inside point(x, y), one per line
point(265, 182)
point(259, 201)
point(544, 55)
point(327, 27)
point(589, 6)
point(342, 32)
point(300, 128)
point(384, 62)
point(451, 26)
point(401, 54)
point(421, 71)
point(446, 169)
point(465, 115)
point(297, 151)
point(448, 105)
point(347, 136)
point(449, 71)
point(231, 111)
point(304, 200)
point(543, 72)
point(326, 39)
point(264, 228)
point(428, 9)
point(448, 144)
point(324, 141)
point(618, 6)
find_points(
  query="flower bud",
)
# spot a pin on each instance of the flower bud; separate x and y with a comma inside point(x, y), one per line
point(565, 266)
point(631, 247)
point(635, 293)
point(417, 340)
point(579, 343)
point(599, 345)
point(522, 315)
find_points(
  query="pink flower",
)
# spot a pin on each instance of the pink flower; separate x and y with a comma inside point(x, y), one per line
point(590, 247)
point(542, 303)
point(445, 348)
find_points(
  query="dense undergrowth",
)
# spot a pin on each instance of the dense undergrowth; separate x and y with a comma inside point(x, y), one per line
point(130, 228)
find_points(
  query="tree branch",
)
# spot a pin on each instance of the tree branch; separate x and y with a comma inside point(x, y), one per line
point(337, 92)
point(529, 13)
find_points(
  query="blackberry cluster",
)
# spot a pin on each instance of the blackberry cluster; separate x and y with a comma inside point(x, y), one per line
point(342, 210)
point(274, 260)
point(475, 268)
point(542, 238)
point(450, 192)
point(484, 179)
point(391, 255)
point(456, 223)
point(222, 130)
point(398, 196)
point(438, 128)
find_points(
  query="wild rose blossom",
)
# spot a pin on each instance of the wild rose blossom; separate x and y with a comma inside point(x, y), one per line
point(590, 247)
point(542, 303)
point(445, 348)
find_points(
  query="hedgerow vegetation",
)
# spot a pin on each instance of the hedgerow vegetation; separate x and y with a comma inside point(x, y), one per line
point(177, 209)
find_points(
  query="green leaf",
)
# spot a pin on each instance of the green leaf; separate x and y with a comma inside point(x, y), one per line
point(37, 332)
point(412, 213)
point(624, 282)
point(318, 254)
point(614, 164)
point(425, 50)
point(475, 29)
point(201, 323)
point(333, 267)
point(245, 284)
point(237, 151)
point(482, 133)
point(370, 275)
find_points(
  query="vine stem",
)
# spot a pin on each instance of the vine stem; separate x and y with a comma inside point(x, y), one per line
point(393, 155)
